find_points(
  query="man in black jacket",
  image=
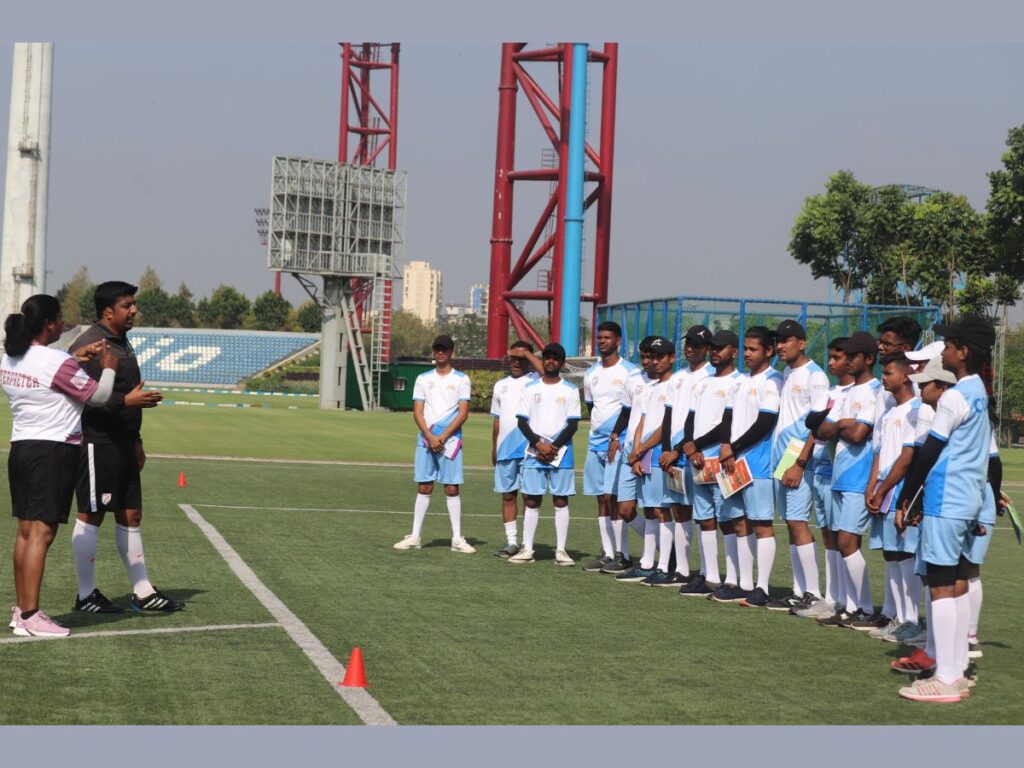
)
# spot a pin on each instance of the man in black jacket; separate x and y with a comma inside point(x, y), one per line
point(109, 477)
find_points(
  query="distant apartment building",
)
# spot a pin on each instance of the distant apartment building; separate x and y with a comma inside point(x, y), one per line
point(422, 291)
point(478, 295)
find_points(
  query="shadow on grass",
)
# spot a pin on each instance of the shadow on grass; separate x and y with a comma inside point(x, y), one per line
point(77, 620)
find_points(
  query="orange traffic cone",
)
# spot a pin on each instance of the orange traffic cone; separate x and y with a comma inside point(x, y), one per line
point(181, 480)
point(355, 675)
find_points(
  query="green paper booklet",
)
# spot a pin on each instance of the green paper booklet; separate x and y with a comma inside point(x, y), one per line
point(789, 458)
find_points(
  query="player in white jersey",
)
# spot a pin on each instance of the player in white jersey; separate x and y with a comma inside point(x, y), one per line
point(897, 335)
point(643, 459)
point(549, 415)
point(804, 395)
point(627, 485)
point(933, 380)
point(508, 445)
point(893, 444)
point(853, 422)
point(440, 407)
point(696, 344)
point(604, 386)
point(702, 441)
point(747, 428)
point(952, 466)
point(822, 486)
point(47, 390)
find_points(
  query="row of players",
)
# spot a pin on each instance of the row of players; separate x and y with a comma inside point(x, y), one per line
point(864, 449)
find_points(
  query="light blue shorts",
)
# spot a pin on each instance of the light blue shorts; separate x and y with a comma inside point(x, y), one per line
point(944, 539)
point(685, 498)
point(920, 569)
point(557, 482)
point(977, 546)
point(755, 502)
point(884, 535)
point(433, 467)
point(795, 503)
point(507, 475)
point(599, 474)
point(849, 512)
point(707, 501)
point(626, 484)
point(822, 491)
point(654, 493)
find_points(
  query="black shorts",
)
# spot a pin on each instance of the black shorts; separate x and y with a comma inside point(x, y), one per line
point(42, 476)
point(109, 478)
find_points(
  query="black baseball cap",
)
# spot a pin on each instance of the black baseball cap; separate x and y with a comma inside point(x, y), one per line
point(975, 330)
point(444, 341)
point(645, 343)
point(660, 346)
point(723, 337)
point(860, 342)
point(789, 328)
point(554, 350)
point(698, 335)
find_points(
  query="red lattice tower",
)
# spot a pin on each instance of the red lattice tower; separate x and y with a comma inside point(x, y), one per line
point(552, 112)
point(366, 129)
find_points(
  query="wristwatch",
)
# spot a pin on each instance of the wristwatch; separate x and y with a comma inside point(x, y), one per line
point(802, 463)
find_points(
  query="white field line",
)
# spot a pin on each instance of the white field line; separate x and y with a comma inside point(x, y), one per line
point(363, 704)
point(312, 462)
point(157, 631)
point(493, 515)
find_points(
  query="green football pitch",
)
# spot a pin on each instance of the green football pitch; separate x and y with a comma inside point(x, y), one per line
point(281, 545)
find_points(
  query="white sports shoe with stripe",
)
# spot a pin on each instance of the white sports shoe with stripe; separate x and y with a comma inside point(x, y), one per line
point(461, 545)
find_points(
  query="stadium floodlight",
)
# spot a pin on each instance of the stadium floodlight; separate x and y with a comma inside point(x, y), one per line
point(344, 224)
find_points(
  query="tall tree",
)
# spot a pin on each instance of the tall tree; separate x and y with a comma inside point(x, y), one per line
point(75, 298)
point(150, 281)
point(830, 234)
point(950, 248)
point(309, 317)
point(410, 336)
point(1005, 209)
point(225, 308)
point(271, 311)
point(154, 306)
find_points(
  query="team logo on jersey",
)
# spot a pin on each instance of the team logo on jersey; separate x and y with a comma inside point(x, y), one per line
point(537, 397)
point(797, 388)
point(80, 379)
point(561, 400)
point(618, 382)
point(593, 381)
point(857, 405)
point(106, 497)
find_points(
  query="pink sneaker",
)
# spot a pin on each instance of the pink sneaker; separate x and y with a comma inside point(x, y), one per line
point(41, 625)
point(15, 617)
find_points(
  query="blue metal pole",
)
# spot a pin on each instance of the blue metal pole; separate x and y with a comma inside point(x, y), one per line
point(573, 254)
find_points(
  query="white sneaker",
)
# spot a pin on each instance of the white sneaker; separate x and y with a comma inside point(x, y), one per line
point(819, 608)
point(562, 558)
point(463, 546)
point(408, 542)
point(522, 556)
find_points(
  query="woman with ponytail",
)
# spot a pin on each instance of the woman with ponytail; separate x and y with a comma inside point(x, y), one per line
point(953, 467)
point(47, 390)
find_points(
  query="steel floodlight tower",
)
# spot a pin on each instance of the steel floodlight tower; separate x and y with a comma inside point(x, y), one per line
point(554, 117)
point(344, 222)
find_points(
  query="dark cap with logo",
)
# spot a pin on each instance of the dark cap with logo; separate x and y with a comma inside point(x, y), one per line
point(554, 350)
point(790, 328)
point(724, 337)
point(860, 342)
point(974, 330)
point(698, 335)
point(660, 346)
point(444, 341)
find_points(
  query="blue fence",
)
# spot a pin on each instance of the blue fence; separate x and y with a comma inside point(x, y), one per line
point(670, 317)
point(209, 357)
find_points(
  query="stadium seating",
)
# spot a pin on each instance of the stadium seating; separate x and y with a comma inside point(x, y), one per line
point(211, 357)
